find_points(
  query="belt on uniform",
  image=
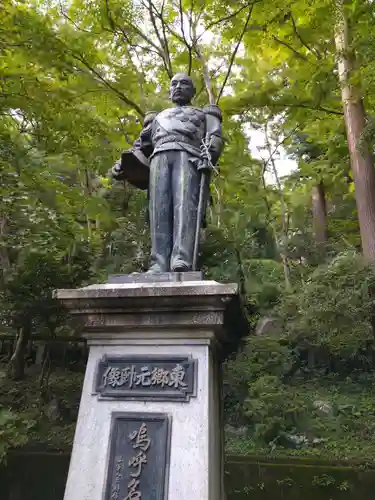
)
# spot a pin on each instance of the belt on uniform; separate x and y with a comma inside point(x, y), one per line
point(178, 139)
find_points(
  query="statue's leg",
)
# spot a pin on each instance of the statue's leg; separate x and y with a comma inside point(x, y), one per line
point(185, 188)
point(160, 213)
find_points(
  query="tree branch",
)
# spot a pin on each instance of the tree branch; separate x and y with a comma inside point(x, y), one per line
point(107, 84)
point(166, 46)
point(181, 39)
point(297, 105)
point(233, 57)
point(126, 135)
point(313, 51)
point(128, 45)
point(109, 16)
point(206, 74)
point(135, 28)
point(280, 143)
point(285, 44)
point(316, 108)
point(276, 18)
point(187, 44)
point(224, 19)
point(65, 15)
point(212, 75)
point(190, 18)
point(163, 42)
point(165, 39)
point(283, 252)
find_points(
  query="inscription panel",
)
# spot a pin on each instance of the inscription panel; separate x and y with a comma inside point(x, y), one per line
point(144, 378)
point(139, 457)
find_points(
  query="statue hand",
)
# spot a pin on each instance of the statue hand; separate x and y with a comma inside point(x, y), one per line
point(205, 157)
point(205, 160)
point(117, 167)
point(205, 154)
point(117, 172)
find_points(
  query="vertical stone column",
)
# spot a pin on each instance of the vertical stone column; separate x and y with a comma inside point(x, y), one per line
point(149, 420)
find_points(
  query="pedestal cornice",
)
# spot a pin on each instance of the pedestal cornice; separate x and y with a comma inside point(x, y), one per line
point(200, 309)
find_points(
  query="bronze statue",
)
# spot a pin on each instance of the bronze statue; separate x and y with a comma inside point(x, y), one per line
point(173, 159)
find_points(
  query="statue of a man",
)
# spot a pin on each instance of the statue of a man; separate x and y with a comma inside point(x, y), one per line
point(181, 144)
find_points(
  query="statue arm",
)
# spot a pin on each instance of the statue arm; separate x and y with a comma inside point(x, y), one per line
point(142, 144)
point(214, 137)
point(145, 139)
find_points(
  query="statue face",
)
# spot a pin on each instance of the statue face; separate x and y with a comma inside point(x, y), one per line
point(182, 89)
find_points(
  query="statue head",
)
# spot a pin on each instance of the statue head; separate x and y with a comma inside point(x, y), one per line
point(182, 89)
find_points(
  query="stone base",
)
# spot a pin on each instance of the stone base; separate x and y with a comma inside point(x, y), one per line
point(153, 368)
point(193, 461)
point(155, 277)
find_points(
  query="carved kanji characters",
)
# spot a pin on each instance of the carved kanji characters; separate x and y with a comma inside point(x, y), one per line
point(177, 376)
point(159, 376)
point(141, 438)
point(137, 461)
point(143, 378)
point(133, 492)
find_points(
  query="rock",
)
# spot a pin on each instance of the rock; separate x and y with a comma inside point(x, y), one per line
point(52, 410)
point(293, 441)
point(267, 326)
point(236, 431)
point(317, 441)
point(325, 408)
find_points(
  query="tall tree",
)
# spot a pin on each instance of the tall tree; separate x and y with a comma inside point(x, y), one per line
point(319, 213)
point(361, 156)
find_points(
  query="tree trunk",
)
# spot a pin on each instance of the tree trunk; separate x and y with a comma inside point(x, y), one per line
point(355, 121)
point(319, 215)
point(283, 251)
point(16, 366)
point(4, 257)
point(44, 374)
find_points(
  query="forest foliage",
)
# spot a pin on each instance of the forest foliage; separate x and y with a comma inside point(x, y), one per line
point(76, 79)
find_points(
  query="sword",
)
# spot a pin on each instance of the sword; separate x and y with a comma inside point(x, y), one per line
point(203, 189)
point(200, 213)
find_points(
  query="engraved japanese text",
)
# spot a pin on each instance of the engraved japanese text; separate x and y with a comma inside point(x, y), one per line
point(141, 444)
point(146, 377)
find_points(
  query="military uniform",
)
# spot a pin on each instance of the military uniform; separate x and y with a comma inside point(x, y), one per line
point(173, 140)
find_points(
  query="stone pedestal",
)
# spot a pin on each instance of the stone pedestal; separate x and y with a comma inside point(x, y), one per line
point(149, 421)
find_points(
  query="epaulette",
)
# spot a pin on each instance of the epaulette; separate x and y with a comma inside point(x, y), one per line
point(150, 115)
point(214, 110)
